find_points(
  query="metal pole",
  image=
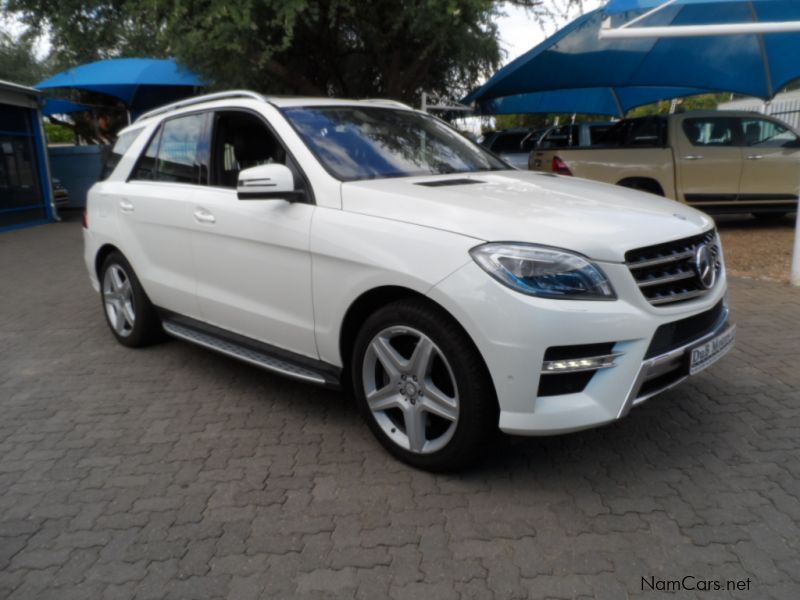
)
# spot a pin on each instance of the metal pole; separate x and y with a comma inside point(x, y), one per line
point(673, 106)
point(795, 278)
point(672, 31)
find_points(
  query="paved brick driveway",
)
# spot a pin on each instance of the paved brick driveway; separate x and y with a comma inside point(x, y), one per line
point(174, 472)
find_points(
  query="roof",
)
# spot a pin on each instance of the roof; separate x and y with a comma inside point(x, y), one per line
point(15, 87)
point(222, 98)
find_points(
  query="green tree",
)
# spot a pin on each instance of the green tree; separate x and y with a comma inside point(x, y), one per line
point(81, 31)
point(18, 62)
point(698, 102)
point(320, 47)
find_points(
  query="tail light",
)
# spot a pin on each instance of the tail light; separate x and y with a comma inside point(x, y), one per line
point(560, 167)
point(85, 219)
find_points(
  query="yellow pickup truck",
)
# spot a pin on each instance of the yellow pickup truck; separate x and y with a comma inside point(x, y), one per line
point(717, 161)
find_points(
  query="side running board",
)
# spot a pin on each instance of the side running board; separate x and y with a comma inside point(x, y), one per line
point(255, 353)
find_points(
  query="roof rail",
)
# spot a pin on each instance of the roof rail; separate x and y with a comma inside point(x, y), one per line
point(387, 102)
point(200, 99)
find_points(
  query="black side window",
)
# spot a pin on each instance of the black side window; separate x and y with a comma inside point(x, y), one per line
point(762, 133)
point(146, 165)
point(242, 140)
point(178, 152)
point(508, 142)
point(597, 133)
point(118, 151)
point(566, 136)
point(710, 131)
point(647, 133)
point(182, 157)
point(615, 136)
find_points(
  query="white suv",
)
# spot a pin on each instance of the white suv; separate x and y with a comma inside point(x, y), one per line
point(367, 245)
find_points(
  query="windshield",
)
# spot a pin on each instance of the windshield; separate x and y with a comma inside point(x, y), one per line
point(354, 143)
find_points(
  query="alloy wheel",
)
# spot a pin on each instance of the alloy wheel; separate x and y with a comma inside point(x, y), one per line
point(410, 389)
point(118, 300)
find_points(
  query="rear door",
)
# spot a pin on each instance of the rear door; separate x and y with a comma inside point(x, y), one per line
point(771, 169)
point(156, 211)
point(708, 160)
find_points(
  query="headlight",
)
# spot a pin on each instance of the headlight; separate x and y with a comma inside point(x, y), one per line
point(543, 272)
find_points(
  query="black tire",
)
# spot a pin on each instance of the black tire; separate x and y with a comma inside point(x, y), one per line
point(770, 216)
point(477, 416)
point(146, 328)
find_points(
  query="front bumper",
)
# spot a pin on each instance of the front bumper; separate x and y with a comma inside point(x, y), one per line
point(513, 333)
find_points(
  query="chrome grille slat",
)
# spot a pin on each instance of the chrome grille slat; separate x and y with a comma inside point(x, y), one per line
point(661, 261)
point(667, 279)
point(677, 297)
point(666, 274)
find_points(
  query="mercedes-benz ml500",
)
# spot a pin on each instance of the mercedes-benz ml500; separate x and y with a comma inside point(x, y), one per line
point(367, 245)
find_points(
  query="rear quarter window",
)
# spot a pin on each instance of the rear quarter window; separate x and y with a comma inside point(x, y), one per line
point(121, 146)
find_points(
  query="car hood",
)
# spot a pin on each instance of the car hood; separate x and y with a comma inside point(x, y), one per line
point(598, 220)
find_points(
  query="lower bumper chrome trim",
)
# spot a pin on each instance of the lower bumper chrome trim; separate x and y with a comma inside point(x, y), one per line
point(666, 363)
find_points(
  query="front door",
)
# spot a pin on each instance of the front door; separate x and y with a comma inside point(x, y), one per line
point(771, 171)
point(252, 256)
point(708, 160)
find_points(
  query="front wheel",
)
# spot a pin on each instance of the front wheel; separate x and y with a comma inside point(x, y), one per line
point(422, 386)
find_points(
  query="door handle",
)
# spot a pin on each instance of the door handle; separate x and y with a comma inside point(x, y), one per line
point(126, 206)
point(693, 157)
point(201, 215)
point(755, 157)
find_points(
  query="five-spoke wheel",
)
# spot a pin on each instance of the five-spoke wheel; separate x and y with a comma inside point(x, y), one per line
point(422, 385)
point(410, 389)
point(132, 318)
point(118, 299)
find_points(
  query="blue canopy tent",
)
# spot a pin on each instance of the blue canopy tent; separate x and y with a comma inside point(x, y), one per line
point(643, 70)
point(141, 83)
point(59, 106)
point(598, 101)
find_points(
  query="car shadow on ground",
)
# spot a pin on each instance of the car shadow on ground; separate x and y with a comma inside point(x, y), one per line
point(667, 431)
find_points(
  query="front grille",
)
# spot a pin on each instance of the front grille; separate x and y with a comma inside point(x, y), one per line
point(666, 273)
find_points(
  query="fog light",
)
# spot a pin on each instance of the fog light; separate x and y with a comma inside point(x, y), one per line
point(574, 365)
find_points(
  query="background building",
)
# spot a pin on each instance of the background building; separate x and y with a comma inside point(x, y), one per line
point(26, 195)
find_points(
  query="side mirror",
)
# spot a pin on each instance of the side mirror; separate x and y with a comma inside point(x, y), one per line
point(267, 182)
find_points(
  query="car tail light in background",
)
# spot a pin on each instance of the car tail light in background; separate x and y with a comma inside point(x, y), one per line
point(85, 219)
point(560, 167)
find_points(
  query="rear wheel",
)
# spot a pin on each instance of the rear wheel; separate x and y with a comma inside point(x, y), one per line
point(422, 386)
point(129, 313)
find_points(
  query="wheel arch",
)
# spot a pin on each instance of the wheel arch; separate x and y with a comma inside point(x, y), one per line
point(372, 300)
point(100, 257)
point(646, 184)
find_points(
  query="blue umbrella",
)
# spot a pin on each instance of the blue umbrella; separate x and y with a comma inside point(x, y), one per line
point(576, 58)
point(139, 82)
